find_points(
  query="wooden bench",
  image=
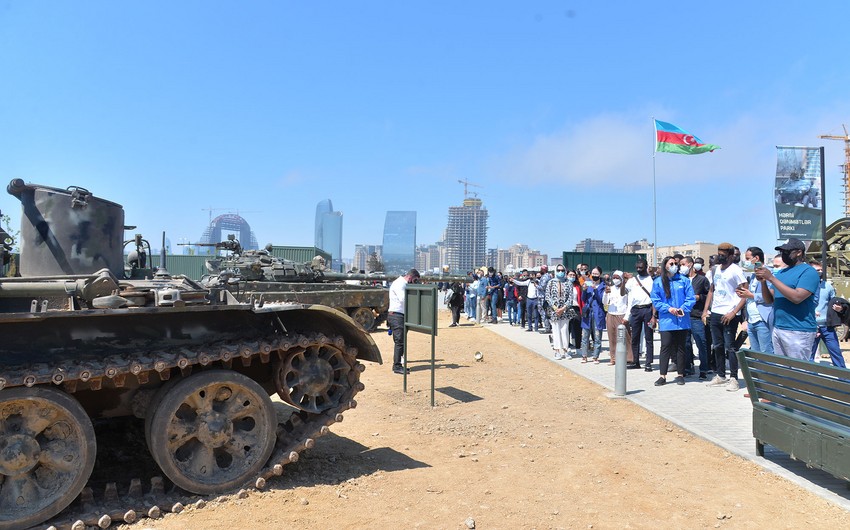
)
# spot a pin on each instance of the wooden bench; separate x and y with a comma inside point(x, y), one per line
point(801, 408)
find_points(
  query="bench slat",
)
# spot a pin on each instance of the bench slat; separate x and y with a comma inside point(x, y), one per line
point(801, 379)
point(836, 400)
point(802, 402)
point(806, 366)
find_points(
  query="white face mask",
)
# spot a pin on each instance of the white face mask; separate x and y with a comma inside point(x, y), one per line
point(684, 269)
point(617, 281)
point(697, 266)
point(673, 269)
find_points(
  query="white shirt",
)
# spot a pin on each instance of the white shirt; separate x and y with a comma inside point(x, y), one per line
point(397, 295)
point(637, 296)
point(617, 303)
point(725, 282)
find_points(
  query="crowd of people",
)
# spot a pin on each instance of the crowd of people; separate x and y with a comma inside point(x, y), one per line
point(704, 312)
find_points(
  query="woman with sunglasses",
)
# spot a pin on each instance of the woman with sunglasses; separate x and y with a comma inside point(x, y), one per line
point(560, 297)
point(673, 298)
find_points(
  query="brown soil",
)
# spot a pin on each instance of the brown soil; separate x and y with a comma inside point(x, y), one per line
point(513, 442)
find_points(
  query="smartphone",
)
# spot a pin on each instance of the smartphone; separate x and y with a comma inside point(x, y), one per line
point(758, 265)
point(680, 313)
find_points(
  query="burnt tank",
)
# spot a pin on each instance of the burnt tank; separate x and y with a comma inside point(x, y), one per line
point(258, 275)
point(175, 375)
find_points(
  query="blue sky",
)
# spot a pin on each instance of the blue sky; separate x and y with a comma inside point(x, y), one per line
point(269, 107)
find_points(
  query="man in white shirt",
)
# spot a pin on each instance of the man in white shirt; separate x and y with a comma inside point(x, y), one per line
point(641, 313)
point(395, 318)
point(722, 307)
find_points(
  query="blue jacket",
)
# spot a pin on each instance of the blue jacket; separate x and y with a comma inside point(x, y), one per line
point(593, 308)
point(681, 296)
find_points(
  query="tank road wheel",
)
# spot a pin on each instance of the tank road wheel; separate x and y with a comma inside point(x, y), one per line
point(313, 379)
point(364, 316)
point(213, 431)
point(47, 453)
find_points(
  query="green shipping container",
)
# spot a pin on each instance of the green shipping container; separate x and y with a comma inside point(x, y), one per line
point(608, 261)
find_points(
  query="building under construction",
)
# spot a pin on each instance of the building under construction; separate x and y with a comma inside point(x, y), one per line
point(466, 236)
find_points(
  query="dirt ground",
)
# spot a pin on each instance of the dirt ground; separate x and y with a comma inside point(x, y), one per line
point(513, 442)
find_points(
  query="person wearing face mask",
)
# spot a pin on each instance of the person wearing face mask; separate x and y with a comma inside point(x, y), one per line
point(642, 315)
point(592, 315)
point(722, 317)
point(759, 313)
point(792, 291)
point(673, 298)
point(559, 298)
point(581, 272)
point(693, 270)
point(543, 304)
point(827, 317)
point(617, 300)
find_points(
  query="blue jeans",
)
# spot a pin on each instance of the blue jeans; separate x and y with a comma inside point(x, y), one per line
point(531, 309)
point(519, 311)
point(830, 338)
point(698, 334)
point(585, 340)
point(494, 301)
point(760, 337)
point(511, 306)
point(473, 304)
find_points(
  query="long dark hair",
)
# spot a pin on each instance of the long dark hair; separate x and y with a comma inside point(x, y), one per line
point(665, 280)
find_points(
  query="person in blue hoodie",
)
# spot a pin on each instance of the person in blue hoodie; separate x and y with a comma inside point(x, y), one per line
point(673, 298)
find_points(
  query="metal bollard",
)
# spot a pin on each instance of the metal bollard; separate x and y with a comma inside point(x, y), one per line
point(620, 367)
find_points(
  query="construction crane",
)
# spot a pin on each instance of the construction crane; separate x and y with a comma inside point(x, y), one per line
point(466, 185)
point(845, 168)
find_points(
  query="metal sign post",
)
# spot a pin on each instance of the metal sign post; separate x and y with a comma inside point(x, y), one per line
point(420, 314)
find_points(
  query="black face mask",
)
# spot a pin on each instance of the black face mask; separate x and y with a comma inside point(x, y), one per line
point(721, 259)
point(595, 277)
point(786, 259)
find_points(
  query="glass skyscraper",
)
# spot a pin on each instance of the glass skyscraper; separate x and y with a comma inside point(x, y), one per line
point(329, 232)
point(399, 248)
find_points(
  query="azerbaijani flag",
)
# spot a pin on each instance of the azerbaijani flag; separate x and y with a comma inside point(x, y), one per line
point(671, 139)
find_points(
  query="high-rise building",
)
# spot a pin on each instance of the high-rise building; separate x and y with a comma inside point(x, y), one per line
point(466, 236)
point(362, 253)
point(329, 232)
point(399, 248)
point(594, 245)
point(224, 225)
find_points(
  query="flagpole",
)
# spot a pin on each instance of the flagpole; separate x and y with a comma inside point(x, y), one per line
point(654, 208)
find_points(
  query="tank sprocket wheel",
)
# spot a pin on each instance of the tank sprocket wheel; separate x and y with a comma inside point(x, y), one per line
point(47, 453)
point(364, 316)
point(212, 431)
point(315, 378)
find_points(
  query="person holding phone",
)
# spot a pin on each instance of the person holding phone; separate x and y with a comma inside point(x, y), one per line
point(673, 298)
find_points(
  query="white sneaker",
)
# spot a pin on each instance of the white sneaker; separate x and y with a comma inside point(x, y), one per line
point(733, 385)
point(717, 381)
point(558, 356)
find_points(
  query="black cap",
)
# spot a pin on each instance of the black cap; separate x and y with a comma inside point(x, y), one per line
point(792, 244)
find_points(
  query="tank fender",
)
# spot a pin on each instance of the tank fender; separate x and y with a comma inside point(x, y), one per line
point(327, 320)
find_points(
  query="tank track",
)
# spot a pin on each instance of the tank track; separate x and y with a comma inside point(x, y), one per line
point(294, 433)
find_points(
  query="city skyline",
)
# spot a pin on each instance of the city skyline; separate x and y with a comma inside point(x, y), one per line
point(546, 111)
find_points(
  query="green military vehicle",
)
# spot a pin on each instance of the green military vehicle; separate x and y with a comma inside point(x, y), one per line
point(109, 383)
point(259, 276)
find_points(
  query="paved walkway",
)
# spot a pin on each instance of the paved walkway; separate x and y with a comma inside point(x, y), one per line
point(721, 417)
